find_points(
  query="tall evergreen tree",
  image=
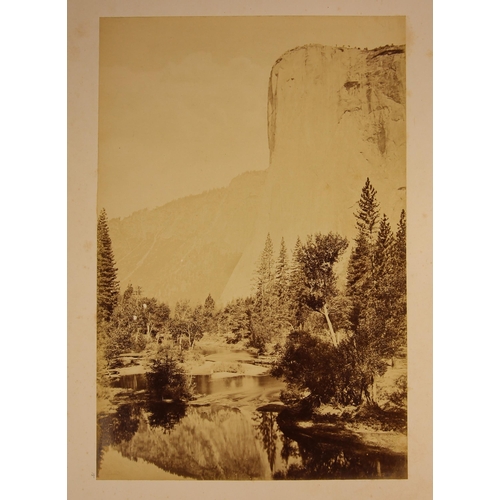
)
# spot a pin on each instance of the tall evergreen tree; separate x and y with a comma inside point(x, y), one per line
point(107, 282)
point(400, 250)
point(381, 295)
point(398, 321)
point(265, 323)
point(282, 272)
point(361, 261)
point(209, 305)
point(265, 277)
point(383, 250)
point(367, 215)
point(282, 286)
point(296, 288)
point(209, 314)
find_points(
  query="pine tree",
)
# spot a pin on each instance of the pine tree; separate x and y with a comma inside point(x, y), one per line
point(209, 305)
point(367, 215)
point(282, 272)
point(398, 323)
point(265, 276)
point(381, 296)
point(107, 282)
point(361, 261)
point(209, 314)
point(295, 287)
point(400, 250)
point(282, 286)
point(265, 321)
point(383, 251)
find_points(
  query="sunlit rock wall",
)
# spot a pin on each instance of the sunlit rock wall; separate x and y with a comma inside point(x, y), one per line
point(336, 116)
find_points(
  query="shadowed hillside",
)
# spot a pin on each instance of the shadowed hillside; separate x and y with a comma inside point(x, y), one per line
point(188, 248)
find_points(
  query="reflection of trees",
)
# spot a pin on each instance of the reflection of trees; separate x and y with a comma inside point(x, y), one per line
point(268, 430)
point(163, 415)
point(121, 426)
point(323, 460)
point(219, 443)
point(117, 427)
point(289, 448)
point(208, 443)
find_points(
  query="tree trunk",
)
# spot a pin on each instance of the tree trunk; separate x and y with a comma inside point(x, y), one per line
point(333, 333)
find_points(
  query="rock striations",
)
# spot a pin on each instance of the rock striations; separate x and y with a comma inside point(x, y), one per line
point(336, 116)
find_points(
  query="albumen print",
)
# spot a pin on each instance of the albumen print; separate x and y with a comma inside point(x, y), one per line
point(251, 249)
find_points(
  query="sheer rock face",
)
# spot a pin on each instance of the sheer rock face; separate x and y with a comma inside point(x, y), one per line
point(336, 116)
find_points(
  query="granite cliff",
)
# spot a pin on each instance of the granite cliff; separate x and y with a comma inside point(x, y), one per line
point(336, 116)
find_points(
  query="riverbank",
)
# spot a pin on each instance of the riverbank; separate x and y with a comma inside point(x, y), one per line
point(210, 357)
point(381, 426)
point(237, 412)
point(357, 433)
point(235, 376)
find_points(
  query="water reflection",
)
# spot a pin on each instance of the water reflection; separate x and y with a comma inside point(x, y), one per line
point(136, 382)
point(267, 429)
point(164, 416)
point(220, 442)
point(343, 459)
point(122, 425)
point(289, 448)
point(205, 384)
point(206, 443)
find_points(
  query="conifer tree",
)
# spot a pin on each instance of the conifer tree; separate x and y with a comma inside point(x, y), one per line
point(107, 282)
point(383, 251)
point(381, 295)
point(400, 250)
point(296, 287)
point(361, 262)
point(398, 323)
point(282, 271)
point(282, 286)
point(209, 313)
point(265, 322)
point(264, 280)
point(209, 305)
point(367, 215)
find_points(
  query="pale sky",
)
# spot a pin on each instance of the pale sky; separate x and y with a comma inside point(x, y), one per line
point(183, 100)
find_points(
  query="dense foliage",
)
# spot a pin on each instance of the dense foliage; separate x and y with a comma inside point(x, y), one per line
point(316, 259)
point(166, 379)
point(331, 339)
point(371, 314)
point(107, 283)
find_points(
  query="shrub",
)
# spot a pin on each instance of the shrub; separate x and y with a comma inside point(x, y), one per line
point(399, 397)
point(306, 367)
point(228, 367)
point(312, 364)
point(167, 380)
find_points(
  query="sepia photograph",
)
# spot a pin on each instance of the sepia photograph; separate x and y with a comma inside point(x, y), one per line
point(251, 221)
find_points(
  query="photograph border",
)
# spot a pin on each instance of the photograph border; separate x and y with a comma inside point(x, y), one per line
point(83, 50)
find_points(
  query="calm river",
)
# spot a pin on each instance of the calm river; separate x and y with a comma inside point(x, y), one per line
point(227, 438)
